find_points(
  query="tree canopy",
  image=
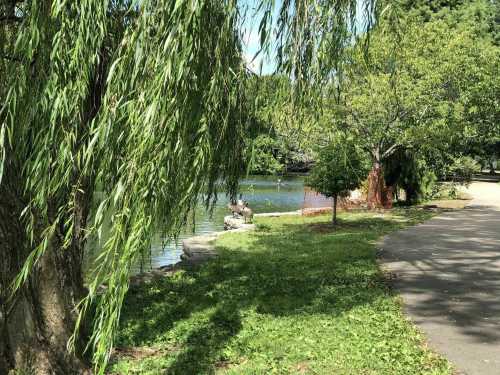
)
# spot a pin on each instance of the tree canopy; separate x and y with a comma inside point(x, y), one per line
point(424, 89)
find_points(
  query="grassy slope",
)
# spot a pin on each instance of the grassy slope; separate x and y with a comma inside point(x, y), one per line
point(293, 297)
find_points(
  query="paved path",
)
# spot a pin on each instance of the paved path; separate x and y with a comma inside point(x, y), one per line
point(447, 271)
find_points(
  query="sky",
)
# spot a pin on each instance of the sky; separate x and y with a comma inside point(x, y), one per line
point(251, 39)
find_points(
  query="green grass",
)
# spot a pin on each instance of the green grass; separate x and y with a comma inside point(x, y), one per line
point(294, 297)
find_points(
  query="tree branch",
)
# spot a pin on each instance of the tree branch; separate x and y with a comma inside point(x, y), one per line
point(390, 151)
point(10, 19)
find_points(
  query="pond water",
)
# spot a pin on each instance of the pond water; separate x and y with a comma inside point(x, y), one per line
point(263, 193)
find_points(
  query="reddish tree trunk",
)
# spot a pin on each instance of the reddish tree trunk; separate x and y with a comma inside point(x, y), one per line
point(387, 196)
point(379, 195)
point(375, 187)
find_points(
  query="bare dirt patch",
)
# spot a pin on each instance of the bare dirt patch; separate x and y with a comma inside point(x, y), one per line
point(302, 368)
point(138, 352)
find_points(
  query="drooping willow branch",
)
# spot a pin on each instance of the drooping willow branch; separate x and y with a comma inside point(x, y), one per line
point(165, 130)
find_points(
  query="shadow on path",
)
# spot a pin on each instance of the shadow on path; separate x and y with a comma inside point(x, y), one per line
point(447, 271)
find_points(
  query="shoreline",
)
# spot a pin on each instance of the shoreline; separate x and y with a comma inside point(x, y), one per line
point(200, 248)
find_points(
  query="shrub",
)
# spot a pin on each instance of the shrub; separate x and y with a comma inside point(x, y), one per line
point(463, 169)
point(340, 167)
point(265, 155)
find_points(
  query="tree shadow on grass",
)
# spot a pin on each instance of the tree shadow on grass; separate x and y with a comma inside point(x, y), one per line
point(203, 345)
point(289, 270)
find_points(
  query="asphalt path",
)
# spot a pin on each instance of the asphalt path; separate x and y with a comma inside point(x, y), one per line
point(447, 271)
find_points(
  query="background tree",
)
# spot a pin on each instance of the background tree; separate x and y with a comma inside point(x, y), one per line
point(284, 132)
point(340, 167)
point(410, 95)
point(478, 22)
point(481, 15)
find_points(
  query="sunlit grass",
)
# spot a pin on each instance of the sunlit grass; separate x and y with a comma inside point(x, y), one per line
point(295, 297)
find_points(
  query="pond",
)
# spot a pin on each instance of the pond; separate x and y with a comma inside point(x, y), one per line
point(263, 193)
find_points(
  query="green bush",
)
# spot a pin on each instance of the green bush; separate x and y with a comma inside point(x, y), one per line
point(340, 167)
point(428, 184)
point(264, 157)
point(463, 169)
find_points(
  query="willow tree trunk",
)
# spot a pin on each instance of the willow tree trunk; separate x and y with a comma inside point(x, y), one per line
point(37, 322)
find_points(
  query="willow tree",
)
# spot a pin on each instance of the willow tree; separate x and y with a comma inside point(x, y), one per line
point(140, 101)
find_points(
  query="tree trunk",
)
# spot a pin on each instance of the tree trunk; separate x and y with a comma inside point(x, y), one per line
point(334, 218)
point(379, 195)
point(388, 196)
point(37, 322)
point(376, 187)
point(492, 167)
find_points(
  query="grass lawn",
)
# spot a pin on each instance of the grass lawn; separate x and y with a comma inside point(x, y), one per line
point(293, 297)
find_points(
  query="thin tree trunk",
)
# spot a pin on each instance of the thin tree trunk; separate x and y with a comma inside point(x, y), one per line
point(334, 219)
point(492, 167)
